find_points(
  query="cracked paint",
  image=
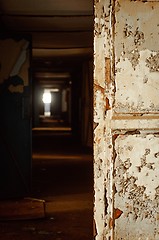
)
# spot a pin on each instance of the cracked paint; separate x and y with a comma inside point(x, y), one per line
point(126, 116)
point(131, 28)
point(137, 61)
point(136, 90)
point(153, 62)
point(136, 182)
point(103, 209)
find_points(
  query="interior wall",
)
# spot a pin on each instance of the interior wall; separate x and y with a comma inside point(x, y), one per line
point(76, 77)
point(11, 49)
point(126, 113)
point(15, 125)
point(87, 104)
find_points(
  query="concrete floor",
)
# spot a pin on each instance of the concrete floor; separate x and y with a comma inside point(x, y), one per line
point(63, 177)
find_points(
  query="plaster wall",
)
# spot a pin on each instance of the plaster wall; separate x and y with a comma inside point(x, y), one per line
point(15, 121)
point(14, 60)
point(126, 114)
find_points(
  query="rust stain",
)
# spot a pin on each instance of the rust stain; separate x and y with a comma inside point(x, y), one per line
point(107, 104)
point(111, 223)
point(115, 137)
point(117, 213)
point(98, 87)
point(108, 70)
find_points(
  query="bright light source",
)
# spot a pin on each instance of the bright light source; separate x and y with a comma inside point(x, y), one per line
point(47, 102)
point(46, 97)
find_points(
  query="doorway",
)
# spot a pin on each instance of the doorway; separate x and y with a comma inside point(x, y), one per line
point(62, 65)
point(62, 149)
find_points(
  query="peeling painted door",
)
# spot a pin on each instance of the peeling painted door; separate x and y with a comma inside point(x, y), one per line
point(126, 120)
point(15, 124)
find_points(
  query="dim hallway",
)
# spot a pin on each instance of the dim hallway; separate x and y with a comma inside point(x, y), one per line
point(62, 173)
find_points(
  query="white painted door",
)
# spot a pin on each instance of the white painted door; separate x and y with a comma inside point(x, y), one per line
point(126, 117)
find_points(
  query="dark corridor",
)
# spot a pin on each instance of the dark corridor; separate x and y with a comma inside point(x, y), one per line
point(49, 46)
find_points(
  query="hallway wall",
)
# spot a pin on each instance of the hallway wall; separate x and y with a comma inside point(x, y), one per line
point(15, 134)
point(87, 104)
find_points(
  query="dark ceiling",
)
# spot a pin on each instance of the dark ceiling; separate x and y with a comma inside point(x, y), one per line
point(61, 30)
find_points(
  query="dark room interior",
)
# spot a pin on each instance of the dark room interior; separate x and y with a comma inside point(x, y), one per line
point(48, 150)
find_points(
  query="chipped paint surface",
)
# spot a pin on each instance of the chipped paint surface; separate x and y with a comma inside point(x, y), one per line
point(137, 57)
point(9, 67)
point(136, 183)
point(137, 89)
point(102, 79)
point(126, 119)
